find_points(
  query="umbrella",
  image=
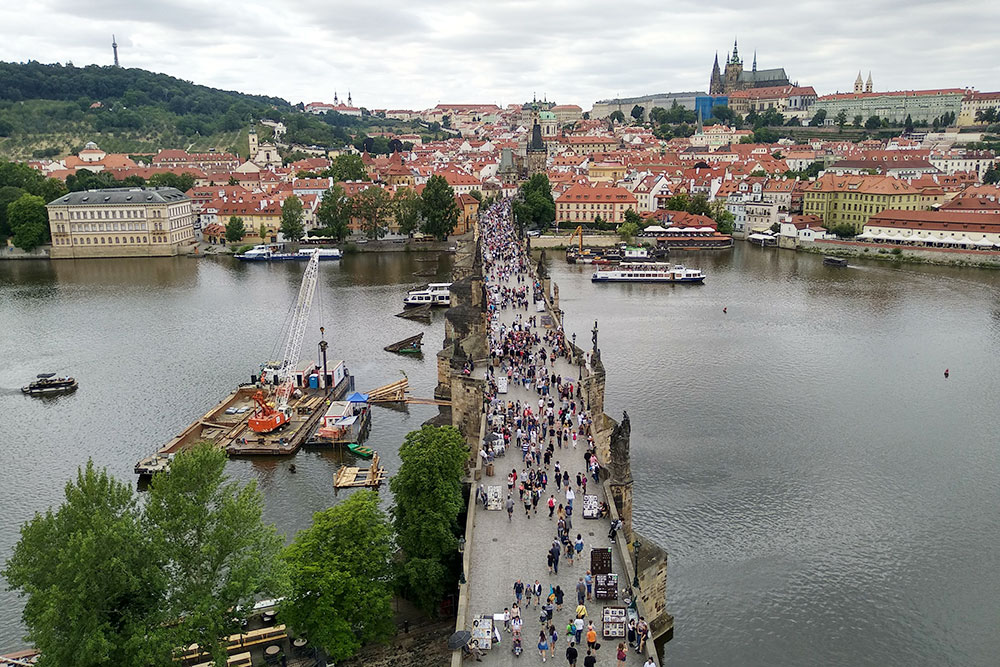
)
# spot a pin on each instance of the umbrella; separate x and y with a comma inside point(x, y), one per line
point(459, 639)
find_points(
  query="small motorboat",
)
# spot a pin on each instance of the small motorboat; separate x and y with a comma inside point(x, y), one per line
point(360, 450)
point(47, 384)
point(409, 345)
point(834, 261)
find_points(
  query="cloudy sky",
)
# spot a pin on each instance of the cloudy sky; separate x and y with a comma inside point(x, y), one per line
point(406, 54)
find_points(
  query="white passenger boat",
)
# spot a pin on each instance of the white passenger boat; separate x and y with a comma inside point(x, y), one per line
point(273, 253)
point(434, 294)
point(648, 273)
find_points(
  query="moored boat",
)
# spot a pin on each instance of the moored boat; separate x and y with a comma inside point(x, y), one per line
point(648, 273)
point(273, 253)
point(361, 450)
point(48, 384)
point(434, 294)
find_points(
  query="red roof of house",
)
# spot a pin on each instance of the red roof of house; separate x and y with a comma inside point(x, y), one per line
point(583, 193)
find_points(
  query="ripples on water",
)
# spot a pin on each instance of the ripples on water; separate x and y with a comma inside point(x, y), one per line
point(826, 496)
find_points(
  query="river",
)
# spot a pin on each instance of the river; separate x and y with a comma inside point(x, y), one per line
point(826, 495)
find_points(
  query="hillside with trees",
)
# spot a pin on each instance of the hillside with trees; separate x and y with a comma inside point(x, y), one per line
point(49, 110)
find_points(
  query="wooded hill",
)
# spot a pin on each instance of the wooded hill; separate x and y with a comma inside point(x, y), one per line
point(48, 110)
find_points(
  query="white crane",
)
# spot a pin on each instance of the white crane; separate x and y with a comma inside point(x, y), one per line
point(267, 418)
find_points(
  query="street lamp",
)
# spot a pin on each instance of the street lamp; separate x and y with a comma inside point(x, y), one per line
point(636, 545)
point(461, 544)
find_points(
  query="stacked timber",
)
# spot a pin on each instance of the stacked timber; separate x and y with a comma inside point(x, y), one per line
point(394, 392)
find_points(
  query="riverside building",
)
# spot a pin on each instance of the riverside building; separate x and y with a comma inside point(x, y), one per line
point(121, 222)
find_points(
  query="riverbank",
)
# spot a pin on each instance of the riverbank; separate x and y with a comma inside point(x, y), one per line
point(986, 259)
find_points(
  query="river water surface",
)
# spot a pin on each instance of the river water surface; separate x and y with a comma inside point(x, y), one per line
point(826, 496)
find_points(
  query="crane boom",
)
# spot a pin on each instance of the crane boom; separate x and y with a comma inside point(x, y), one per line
point(296, 332)
point(266, 418)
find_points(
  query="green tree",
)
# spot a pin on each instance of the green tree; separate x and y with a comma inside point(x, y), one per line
point(872, 123)
point(408, 206)
point(92, 579)
point(634, 218)
point(334, 213)
point(678, 202)
point(182, 182)
point(725, 221)
point(262, 232)
point(698, 205)
point(235, 229)
point(844, 230)
point(477, 195)
point(818, 118)
point(628, 230)
point(374, 206)
point(341, 588)
point(220, 555)
point(8, 194)
point(765, 135)
point(617, 116)
point(347, 167)
point(992, 175)
point(428, 500)
point(439, 209)
point(291, 218)
point(908, 124)
point(858, 120)
point(535, 207)
point(841, 120)
point(28, 221)
point(725, 115)
point(658, 115)
point(637, 112)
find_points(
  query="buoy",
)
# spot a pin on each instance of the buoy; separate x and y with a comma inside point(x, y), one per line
point(724, 310)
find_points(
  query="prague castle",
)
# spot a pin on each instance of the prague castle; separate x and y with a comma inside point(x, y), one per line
point(736, 78)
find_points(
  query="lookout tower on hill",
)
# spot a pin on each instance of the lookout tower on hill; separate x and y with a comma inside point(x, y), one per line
point(114, 49)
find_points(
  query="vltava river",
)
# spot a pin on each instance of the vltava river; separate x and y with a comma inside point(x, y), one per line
point(827, 497)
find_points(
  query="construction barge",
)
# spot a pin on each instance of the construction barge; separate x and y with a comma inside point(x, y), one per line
point(227, 424)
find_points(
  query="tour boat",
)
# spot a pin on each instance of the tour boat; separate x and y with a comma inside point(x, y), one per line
point(434, 294)
point(272, 253)
point(48, 384)
point(648, 273)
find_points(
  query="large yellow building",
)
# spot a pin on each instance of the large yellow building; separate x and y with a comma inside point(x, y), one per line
point(582, 203)
point(121, 222)
point(852, 200)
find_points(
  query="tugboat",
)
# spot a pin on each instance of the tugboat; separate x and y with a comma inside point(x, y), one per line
point(48, 384)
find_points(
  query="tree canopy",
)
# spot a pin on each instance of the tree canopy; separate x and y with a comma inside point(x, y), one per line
point(346, 167)
point(291, 218)
point(341, 584)
point(408, 206)
point(28, 220)
point(334, 213)
point(219, 555)
point(235, 229)
point(428, 499)
point(374, 206)
point(92, 579)
point(535, 207)
point(440, 212)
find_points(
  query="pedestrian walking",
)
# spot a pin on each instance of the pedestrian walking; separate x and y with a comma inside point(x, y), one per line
point(552, 505)
point(559, 597)
point(543, 645)
point(506, 619)
point(589, 579)
point(519, 592)
point(590, 660)
point(630, 634)
point(572, 653)
point(581, 591)
point(510, 508)
point(578, 630)
point(553, 638)
point(537, 592)
point(622, 654)
point(591, 637)
point(578, 545)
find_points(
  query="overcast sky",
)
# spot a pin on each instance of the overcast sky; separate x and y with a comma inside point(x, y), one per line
point(411, 55)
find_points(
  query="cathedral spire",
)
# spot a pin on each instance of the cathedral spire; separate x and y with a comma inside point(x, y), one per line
point(755, 60)
point(868, 84)
point(859, 83)
point(715, 86)
point(736, 52)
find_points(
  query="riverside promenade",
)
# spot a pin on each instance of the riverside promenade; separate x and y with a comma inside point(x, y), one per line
point(500, 549)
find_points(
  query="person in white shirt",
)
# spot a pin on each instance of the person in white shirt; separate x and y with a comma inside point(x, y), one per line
point(569, 495)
